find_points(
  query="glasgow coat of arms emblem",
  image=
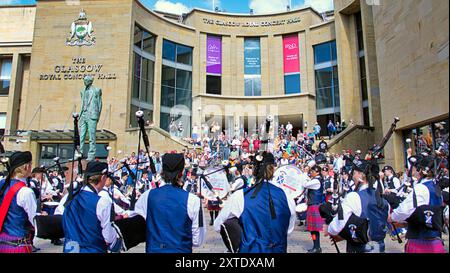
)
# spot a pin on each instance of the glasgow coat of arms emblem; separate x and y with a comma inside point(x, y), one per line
point(81, 32)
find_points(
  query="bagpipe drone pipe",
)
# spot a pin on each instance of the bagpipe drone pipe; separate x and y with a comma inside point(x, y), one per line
point(357, 229)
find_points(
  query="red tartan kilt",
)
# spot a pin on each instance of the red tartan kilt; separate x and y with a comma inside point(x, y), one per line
point(13, 249)
point(213, 205)
point(424, 246)
point(313, 220)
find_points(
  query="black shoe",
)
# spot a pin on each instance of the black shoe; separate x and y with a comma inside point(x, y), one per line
point(315, 250)
point(57, 242)
point(36, 249)
point(300, 223)
point(211, 222)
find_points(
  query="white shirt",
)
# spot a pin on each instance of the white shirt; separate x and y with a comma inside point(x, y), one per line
point(103, 211)
point(406, 207)
point(235, 207)
point(117, 209)
point(313, 184)
point(26, 199)
point(396, 182)
point(238, 183)
point(193, 209)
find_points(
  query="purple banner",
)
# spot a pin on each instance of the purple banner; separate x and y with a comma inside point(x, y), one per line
point(214, 55)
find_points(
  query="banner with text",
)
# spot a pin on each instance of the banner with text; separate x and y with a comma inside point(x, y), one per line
point(214, 55)
point(291, 54)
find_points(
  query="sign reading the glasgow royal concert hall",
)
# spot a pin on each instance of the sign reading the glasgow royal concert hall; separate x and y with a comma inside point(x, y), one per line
point(76, 71)
point(252, 24)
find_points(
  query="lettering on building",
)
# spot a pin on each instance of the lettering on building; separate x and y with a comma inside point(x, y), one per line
point(77, 70)
point(251, 24)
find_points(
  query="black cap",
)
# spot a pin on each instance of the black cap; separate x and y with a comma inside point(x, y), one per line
point(320, 159)
point(385, 168)
point(426, 163)
point(325, 169)
point(316, 168)
point(18, 159)
point(268, 158)
point(38, 170)
point(173, 164)
point(360, 165)
point(96, 168)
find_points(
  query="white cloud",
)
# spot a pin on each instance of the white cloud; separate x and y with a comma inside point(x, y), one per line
point(170, 7)
point(268, 6)
point(320, 5)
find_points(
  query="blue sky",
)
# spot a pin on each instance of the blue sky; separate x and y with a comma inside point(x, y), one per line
point(236, 6)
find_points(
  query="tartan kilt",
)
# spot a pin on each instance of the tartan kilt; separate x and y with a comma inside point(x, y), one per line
point(313, 220)
point(213, 205)
point(4, 248)
point(424, 246)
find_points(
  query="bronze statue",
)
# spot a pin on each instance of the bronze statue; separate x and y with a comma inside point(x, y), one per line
point(91, 108)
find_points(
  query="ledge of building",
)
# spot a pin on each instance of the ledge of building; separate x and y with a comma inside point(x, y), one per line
point(18, 43)
point(163, 18)
point(350, 129)
point(164, 133)
point(255, 97)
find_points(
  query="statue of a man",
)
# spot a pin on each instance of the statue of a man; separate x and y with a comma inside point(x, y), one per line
point(91, 107)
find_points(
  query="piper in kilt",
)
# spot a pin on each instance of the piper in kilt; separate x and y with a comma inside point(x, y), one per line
point(315, 196)
point(18, 206)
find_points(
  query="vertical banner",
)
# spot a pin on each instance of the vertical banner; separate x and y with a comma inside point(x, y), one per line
point(214, 55)
point(252, 56)
point(291, 54)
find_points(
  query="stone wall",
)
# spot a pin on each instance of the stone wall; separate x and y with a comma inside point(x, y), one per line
point(412, 39)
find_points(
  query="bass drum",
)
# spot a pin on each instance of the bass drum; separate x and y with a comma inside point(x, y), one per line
point(289, 178)
point(49, 227)
point(231, 233)
point(215, 184)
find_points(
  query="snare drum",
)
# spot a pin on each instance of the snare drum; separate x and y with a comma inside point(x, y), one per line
point(50, 207)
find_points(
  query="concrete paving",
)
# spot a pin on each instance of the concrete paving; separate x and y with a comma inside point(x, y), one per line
point(298, 242)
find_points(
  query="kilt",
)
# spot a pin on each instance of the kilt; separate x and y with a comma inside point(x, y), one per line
point(424, 246)
point(313, 220)
point(213, 205)
point(26, 247)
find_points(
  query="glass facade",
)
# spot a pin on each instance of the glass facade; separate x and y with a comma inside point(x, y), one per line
point(292, 84)
point(5, 75)
point(65, 152)
point(143, 75)
point(176, 87)
point(252, 67)
point(327, 83)
point(2, 123)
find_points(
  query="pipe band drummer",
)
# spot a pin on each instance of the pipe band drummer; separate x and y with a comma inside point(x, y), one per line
point(265, 213)
point(87, 218)
point(174, 217)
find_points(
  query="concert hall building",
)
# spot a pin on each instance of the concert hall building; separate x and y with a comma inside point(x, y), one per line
point(365, 62)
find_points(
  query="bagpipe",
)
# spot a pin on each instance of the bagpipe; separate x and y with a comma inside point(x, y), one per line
point(356, 230)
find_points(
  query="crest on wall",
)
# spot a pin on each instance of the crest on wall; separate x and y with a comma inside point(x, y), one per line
point(81, 33)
